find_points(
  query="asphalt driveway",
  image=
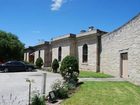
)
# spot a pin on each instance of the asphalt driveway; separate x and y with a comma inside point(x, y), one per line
point(14, 88)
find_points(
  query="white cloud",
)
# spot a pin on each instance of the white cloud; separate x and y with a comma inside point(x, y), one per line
point(56, 5)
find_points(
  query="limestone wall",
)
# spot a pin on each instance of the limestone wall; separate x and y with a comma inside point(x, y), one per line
point(42, 55)
point(45, 54)
point(36, 56)
point(74, 46)
point(124, 39)
point(48, 56)
point(91, 42)
point(25, 56)
point(66, 48)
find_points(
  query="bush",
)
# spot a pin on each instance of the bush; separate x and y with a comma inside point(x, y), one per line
point(71, 85)
point(55, 65)
point(69, 68)
point(38, 100)
point(39, 62)
point(61, 91)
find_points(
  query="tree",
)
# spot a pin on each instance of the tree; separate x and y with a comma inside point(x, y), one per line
point(11, 47)
point(69, 68)
point(55, 65)
point(39, 62)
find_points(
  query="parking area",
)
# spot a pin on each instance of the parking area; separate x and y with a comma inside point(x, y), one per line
point(14, 88)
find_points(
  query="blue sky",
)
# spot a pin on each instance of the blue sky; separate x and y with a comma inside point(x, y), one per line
point(35, 20)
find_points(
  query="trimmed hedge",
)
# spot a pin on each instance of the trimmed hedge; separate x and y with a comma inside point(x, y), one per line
point(55, 65)
point(39, 62)
point(69, 67)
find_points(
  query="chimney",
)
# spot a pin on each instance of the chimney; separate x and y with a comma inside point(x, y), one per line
point(90, 28)
point(82, 31)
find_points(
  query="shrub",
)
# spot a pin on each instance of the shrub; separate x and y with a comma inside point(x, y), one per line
point(71, 85)
point(62, 93)
point(69, 68)
point(39, 62)
point(38, 100)
point(55, 65)
point(60, 89)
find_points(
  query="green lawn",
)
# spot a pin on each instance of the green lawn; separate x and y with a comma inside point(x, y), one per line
point(90, 74)
point(105, 93)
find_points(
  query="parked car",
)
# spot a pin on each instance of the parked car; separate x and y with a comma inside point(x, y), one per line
point(16, 66)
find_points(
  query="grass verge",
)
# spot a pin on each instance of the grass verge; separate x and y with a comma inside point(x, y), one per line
point(105, 93)
point(90, 74)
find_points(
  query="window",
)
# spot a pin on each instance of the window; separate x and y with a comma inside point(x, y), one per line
point(39, 54)
point(85, 53)
point(59, 53)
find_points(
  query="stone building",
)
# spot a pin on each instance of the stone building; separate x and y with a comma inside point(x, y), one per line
point(120, 54)
point(63, 46)
point(88, 49)
point(85, 46)
point(115, 53)
point(42, 50)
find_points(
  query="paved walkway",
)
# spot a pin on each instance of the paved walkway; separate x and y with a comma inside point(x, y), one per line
point(101, 79)
point(13, 86)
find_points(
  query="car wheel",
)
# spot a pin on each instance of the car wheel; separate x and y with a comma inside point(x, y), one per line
point(30, 69)
point(5, 70)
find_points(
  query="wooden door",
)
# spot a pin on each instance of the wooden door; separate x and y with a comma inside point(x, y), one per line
point(124, 65)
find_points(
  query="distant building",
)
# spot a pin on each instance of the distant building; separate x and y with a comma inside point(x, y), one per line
point(116, 53)
point(42, 50)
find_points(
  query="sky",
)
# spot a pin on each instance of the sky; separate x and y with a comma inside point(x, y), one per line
point(40, 20)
